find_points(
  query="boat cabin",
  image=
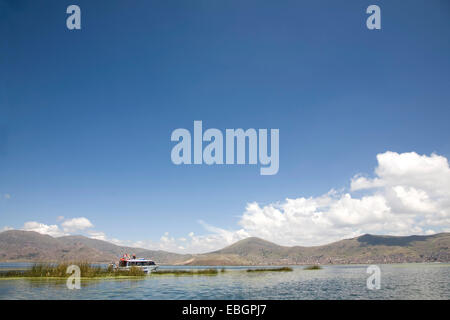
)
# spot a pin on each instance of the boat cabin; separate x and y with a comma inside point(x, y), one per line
point(123, 263)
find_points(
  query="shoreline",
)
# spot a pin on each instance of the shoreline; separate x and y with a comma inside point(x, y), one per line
point(206, 272)
point(243, 265)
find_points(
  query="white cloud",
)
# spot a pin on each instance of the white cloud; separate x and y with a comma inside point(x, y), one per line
point(218, 238)
point(97, 235)
point(7, 196)
point(76, 224)
point(409, 194)
point(66, 228)
point(51, 230)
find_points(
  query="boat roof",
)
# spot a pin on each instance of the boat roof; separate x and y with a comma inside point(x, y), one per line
point(138, 260)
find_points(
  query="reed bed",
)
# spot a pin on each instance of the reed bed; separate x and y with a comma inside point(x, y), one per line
point(87, 270)
point(281, 269)
point(185, 272)
point(314, 267)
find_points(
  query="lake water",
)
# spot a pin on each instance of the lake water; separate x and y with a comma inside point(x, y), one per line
point(402, 281)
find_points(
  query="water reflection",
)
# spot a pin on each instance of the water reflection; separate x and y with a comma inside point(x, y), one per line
point(410, 281)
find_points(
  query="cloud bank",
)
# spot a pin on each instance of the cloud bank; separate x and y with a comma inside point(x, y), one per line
point(408, 194)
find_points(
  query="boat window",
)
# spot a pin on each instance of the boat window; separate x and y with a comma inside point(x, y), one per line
point(136, 263)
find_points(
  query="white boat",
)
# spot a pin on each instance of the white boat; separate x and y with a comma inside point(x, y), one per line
point(146, 265)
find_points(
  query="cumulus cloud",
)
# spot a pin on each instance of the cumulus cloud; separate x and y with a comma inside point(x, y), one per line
point(76, 224)
point(97, 235)
point(67, 227)
point(408, 194)
point(51, 230)
point(79, 225)
point(216, 238)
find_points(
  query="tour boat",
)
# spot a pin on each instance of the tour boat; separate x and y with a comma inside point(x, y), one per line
point(146, 265)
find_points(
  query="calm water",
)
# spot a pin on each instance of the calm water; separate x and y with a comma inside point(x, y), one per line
point(403, 281)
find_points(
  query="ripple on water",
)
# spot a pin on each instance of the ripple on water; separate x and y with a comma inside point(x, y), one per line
point(409, 281)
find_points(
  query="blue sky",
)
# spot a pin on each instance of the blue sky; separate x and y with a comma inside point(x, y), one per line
point(86, 116)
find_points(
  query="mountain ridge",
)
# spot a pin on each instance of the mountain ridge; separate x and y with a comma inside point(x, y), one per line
point(17, 245)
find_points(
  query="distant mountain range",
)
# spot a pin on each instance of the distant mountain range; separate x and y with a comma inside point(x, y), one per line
point(31, 246)
point(16, 245)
